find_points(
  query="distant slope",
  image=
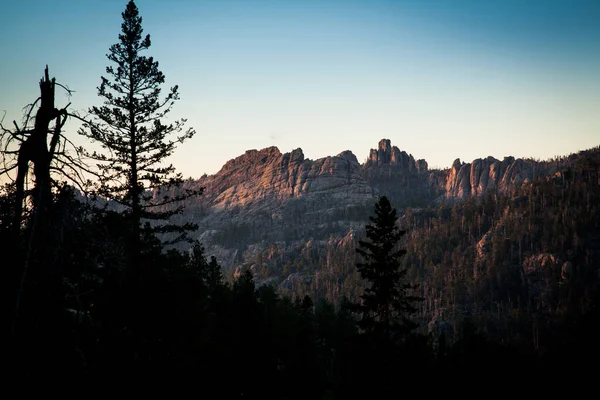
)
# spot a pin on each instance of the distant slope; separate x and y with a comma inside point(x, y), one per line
point(483, 236)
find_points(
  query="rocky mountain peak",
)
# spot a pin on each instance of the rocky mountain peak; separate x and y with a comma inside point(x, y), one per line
point(253, 157)
point(483, 174)
point(456, 164)
point(266, 196)
point(422, 165)
point(385, 145)
point(386, 154)
point(348, 155)
point(296, 156)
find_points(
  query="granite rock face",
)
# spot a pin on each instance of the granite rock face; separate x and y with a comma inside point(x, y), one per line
point(386, 154)
point(268, 177)
point(479, 176)
point(266, 196)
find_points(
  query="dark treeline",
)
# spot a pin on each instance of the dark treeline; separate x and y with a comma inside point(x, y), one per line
point(82, 319)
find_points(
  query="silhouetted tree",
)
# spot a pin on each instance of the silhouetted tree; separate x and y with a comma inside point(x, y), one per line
point(135, 142)
point(387, 303)
point(38, 140)
point(40, 144)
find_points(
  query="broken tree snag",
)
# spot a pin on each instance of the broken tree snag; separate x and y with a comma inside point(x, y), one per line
point(35, 149)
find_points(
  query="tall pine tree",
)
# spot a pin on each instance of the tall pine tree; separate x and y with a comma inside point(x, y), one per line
point(135, 142)
point(387, 303)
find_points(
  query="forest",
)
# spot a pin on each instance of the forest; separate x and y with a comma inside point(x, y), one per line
point(97, 295)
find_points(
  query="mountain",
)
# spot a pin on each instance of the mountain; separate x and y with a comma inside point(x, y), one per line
point(487, 239)
point(265, 196)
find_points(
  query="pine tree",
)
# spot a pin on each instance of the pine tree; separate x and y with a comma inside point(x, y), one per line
point(135, 142)
point(386, 304)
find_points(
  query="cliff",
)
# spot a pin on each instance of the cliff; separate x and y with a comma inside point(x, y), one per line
point(476, 178)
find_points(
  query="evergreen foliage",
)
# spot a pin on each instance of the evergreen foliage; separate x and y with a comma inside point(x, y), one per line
point(134, 139)
point(386, 303)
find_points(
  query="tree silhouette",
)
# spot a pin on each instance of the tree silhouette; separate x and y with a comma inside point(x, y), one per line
point(39, 141)
point(43, 145)
point(135, 142)
point(386, 304)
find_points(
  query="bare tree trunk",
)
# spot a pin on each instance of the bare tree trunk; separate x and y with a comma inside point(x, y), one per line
point(35, 149)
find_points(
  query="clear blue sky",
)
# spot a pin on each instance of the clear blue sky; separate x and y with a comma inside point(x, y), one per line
point(440, 78)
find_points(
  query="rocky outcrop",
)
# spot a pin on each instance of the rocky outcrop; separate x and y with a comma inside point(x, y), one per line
point(395, 173)
point(476, 178)
point(266, 196)
point(386, 154)
point(458, 185)
point(269, 176)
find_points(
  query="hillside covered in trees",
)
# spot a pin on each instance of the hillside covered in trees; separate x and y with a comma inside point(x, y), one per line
point(496, 241)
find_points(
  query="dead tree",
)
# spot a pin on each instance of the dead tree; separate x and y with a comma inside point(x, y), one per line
point(35, 149)
point(45, 147)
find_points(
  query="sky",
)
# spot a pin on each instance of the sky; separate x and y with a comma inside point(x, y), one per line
point(443, 79)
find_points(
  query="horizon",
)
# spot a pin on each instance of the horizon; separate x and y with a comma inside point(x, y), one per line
point(440, 81)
